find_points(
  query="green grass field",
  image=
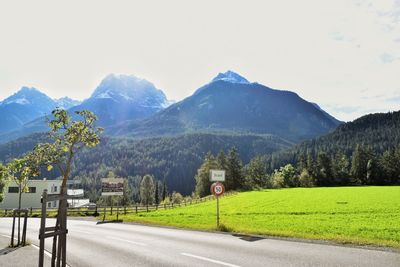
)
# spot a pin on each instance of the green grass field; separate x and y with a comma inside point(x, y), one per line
point(357, 215)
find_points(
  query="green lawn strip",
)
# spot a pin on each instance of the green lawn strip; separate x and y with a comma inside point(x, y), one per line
point(356, 215)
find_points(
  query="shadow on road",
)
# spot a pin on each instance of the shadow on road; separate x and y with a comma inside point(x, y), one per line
point(113, 221)
point(7, 250)
point(248, 238)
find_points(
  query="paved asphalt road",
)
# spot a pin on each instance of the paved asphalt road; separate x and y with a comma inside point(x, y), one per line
point(112, 244)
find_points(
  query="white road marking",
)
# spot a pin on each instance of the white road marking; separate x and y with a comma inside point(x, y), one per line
point(45, 252)
point(8, 236)
point(209, 260)
point(48, 254)
point(128, 241)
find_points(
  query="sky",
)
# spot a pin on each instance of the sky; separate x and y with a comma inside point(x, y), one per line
point(342, 54)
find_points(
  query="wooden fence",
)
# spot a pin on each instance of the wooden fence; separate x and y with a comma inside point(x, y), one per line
point(99, 210)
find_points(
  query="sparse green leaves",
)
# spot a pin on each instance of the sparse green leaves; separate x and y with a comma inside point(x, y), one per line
point(69, 137)
point(4, 177)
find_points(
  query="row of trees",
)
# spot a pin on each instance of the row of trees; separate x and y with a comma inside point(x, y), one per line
point(231, 163)
point(174, 160)
point(146, 190)
point(364, 167)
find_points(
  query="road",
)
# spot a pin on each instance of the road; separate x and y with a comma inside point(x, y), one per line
point(116, 244)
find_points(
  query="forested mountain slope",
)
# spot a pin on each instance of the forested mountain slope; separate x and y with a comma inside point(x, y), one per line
point(175, 159)
point(378, 132)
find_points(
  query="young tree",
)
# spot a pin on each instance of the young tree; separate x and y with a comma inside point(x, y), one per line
point(202, 177)
point(390, 166)
point(176, 198)
point(278, 181)
point(20, 170)
point(305, 179)
point(156, 193)
point(70, 136)
point(256, 174)
point(302, 163)
point(147, 190)
point(164, 190)
point(290, 176)
point(221, 160)
point(234, 171)
point(285, 177)
point(128, 195)
point(4, 177)
point(310, 165)
point(359, 165)
point(340, 169)
point(324, 175)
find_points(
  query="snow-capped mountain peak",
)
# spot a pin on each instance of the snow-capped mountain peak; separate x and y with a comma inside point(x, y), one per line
point(230, 76)
point(66, 102)
point(129, 88)
point(25, 96)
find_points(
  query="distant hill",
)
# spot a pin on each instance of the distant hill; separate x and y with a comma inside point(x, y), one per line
point(230, 103)
point(379, 131)
point(24, 106)
point(175, 159)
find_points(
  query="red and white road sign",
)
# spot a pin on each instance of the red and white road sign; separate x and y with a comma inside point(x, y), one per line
point(217, 189)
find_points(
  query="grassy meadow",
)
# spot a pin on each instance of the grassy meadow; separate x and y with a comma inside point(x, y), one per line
point(357, 215)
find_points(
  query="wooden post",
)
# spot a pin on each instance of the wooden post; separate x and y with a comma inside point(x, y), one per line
point(12, 233)
point(24, 229)
point(136, 208)
point(111, 201)
point(64, 227)
point(42, 227)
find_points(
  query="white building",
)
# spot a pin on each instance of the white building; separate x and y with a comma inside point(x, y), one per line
point(32, 198)
point(77, 201)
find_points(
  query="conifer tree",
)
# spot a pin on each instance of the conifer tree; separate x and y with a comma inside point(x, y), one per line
point(147, 190)
point(234, 173)
point(202, 177)
point(156, 193)
point(256, 174)
point(359, 165)
point(164, 190)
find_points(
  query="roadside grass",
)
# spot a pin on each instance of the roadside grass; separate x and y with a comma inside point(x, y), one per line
point(354, 215)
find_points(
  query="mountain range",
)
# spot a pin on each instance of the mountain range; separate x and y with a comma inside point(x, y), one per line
point(134, 107)
point(230, 103)
point(26, 105)
point(171, 140)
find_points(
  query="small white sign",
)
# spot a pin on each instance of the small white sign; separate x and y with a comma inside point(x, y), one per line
point(217, 175)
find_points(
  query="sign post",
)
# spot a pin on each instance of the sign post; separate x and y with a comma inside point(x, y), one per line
point(112, 187)
point(217, 188)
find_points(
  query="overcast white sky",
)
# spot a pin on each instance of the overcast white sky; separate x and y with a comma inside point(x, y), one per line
point(342, 54)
